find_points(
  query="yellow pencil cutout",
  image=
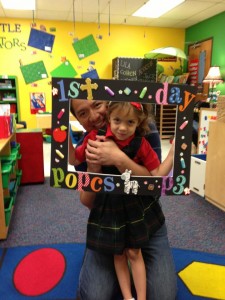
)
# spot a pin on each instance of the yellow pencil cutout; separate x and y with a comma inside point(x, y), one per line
point(143, 92)
point(59, 153)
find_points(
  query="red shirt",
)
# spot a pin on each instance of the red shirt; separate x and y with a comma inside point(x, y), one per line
point(145, 156)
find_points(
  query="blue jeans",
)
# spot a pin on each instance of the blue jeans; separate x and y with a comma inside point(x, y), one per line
point(98, 279)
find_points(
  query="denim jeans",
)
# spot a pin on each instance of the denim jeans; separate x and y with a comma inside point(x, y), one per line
point(98, 279)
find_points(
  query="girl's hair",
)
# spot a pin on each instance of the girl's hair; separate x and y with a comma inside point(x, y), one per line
point(143, 112)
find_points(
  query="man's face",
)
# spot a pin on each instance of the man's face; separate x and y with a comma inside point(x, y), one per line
point(90, 114)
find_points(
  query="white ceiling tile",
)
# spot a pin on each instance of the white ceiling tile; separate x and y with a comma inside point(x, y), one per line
point(185, 15)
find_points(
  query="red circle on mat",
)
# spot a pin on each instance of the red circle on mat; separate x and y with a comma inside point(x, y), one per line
point(39, 271)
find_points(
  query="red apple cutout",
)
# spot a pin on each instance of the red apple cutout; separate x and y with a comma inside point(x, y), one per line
point(59, 134)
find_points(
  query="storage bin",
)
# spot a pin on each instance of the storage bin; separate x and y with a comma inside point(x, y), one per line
point(18, 176)
point(6, 172)
point(14, 184)
point(8, 205)
point(47, 138)
point(197, 174)
point(15, 148)
point(11, 160)
point(13, 189)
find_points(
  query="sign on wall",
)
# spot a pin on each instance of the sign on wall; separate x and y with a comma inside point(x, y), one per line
point(65, 89)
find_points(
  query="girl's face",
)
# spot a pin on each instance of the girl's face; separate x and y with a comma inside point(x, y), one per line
point(123, 124)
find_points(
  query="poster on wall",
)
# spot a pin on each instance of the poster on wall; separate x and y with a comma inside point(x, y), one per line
point(93, 74)
point(41, 40)
point(65, 69)
point(37, 102)
point(34, 72)
point(193, 65)
point(67, 90)
point(85, 47)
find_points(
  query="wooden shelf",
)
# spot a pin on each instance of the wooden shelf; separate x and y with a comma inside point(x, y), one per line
point(9, 94)
point(166, 120)
point(215, 166)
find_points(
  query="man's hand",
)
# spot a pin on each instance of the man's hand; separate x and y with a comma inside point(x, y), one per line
point(107, 153)
point(102, 151)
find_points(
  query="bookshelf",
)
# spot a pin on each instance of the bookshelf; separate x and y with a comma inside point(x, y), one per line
point(165, 120)
point(9, 94)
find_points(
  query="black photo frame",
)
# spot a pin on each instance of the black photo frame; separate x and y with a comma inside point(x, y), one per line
point(65, 89)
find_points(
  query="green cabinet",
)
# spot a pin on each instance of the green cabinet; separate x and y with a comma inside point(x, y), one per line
point(9, 94)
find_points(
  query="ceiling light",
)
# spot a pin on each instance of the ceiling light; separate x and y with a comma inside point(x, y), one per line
point(18, 4)
point(156, 8)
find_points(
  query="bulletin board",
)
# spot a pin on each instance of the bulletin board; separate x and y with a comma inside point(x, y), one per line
point(199, 62)
point(134, 68)
point(205, 116)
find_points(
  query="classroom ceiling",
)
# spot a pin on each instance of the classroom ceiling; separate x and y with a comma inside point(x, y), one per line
point(118, 12)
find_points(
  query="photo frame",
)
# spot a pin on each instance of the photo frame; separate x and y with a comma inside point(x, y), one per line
point(65, 89)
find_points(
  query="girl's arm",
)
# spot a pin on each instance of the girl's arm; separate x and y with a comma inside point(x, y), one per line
point(72, 154)
point(77, 154)
point(166, 166)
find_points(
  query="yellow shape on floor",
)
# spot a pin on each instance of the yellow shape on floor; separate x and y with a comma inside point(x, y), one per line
point(204, 280)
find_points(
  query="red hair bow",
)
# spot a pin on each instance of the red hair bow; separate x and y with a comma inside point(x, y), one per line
point(137, 105)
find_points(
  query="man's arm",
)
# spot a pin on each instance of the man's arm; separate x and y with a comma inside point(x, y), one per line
point(71, 153)
point(108, 153)
point(88, 198)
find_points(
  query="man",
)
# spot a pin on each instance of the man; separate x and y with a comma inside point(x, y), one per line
point(98, 280)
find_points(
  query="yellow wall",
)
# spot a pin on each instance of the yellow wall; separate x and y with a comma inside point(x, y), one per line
point(124, 40)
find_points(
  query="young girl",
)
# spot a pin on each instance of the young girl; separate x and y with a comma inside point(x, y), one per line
point(121, 224)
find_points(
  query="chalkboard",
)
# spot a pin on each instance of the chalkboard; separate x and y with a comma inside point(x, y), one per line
point(131, 68)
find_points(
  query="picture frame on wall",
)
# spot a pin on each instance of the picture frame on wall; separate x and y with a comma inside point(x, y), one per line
point(37, 102)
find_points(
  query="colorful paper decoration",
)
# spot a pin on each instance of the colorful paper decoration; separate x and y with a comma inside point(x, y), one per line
point(34, 72)
point(65, 70)
point(85, 47)
point(41, 40)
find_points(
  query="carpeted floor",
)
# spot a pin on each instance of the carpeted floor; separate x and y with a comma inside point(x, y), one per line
point(50, 272)
point(45, 217)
